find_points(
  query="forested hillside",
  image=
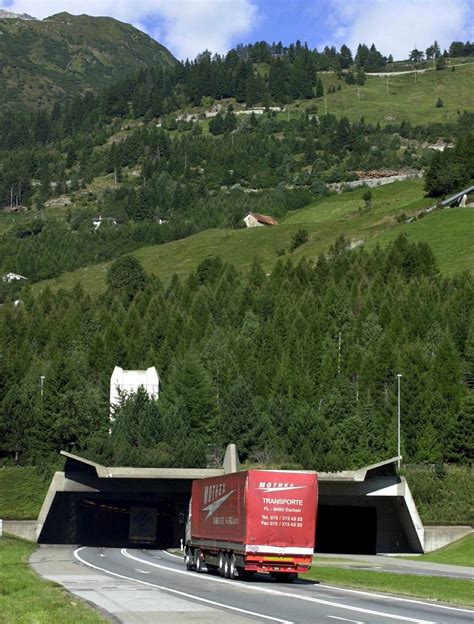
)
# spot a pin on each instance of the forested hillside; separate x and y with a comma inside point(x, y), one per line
point(297, 368)
point(48, 61)
point(293, 359)
point(164, 183)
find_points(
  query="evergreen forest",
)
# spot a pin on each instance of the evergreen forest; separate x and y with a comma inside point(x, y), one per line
point(298, 368)
point(297, 365)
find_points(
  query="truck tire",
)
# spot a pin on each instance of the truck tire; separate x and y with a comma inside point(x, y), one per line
point(188, 559)
point(232, 566)
point(198, 560)
point(221, 566)
point(227, 566)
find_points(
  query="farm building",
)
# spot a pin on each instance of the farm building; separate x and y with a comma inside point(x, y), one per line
point(252, 219)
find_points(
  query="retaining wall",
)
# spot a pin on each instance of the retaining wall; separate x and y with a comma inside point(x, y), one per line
point(21, 528)
point(439, 536)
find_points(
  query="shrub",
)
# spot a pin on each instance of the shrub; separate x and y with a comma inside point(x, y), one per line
point(299, 238)
point(367, 197)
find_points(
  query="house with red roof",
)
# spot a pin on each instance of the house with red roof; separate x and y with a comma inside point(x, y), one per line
point(252, 219)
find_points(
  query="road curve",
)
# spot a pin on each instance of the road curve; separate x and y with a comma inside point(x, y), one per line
point(264, 600)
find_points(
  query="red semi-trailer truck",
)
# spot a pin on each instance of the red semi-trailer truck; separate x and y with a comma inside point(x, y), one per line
point(253, 521)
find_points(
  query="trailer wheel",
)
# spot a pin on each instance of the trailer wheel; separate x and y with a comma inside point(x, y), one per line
point(188, 559)
point(221, 563)
point(227, 566)
point(198, 560)
point(232, 566)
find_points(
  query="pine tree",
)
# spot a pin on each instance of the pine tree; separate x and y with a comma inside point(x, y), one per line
point(345, 57)
point(126, 277)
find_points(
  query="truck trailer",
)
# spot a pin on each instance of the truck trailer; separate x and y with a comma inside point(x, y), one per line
point(253, 521)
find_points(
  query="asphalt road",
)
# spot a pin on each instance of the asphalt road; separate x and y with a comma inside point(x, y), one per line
point(262, 599)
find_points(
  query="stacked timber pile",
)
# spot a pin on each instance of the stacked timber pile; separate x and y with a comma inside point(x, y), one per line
point(379, 173)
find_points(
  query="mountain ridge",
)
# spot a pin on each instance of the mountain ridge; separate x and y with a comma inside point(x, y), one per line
point(47, 61)
point(4, 14)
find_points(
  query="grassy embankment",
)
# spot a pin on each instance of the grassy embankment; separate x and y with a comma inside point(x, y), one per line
point(22, 491)
point(427, 587)
point(449, 233)
point(406, 99)
point(344, 572)
point(25, 598)
point(459, 553)
point(443, 501)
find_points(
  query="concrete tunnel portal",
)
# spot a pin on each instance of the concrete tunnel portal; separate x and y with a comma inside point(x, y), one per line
point(365, 511)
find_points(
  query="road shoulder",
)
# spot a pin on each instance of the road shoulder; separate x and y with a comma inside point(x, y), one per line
point(121, 600)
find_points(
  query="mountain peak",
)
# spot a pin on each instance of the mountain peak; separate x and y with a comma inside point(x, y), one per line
point(50, 60)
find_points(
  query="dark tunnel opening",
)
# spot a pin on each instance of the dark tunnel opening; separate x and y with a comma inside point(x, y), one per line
point(120, 524)
point(346, 529)
point(117, 519)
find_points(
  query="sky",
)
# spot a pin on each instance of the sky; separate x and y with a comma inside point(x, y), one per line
point(188, 27)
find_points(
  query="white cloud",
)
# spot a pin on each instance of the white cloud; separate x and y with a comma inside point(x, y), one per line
point(397, 26)
point(186, 27)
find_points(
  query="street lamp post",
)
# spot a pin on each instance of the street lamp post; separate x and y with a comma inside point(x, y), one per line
point(398, 420)
point(42, 378)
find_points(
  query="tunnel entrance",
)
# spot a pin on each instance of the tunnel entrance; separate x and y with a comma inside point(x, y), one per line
point(106, 522)
point(346, 529)
point(361, 511)
point(150, 514)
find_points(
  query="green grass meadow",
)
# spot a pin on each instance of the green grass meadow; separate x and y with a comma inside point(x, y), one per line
point(22, 491)
point(449, 232)
point(427, 587)
point(343, 214)
point(25, 598)
point(406, 99)
point(442, 501)
point(459, 553)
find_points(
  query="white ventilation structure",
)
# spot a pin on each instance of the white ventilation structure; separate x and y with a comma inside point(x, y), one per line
point(126, 382)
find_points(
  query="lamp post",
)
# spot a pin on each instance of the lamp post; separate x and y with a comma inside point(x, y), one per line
point(42, 378)
point(398, 420)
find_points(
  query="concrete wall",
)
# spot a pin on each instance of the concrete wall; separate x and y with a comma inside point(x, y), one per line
point(21, 528)
point(439, 536)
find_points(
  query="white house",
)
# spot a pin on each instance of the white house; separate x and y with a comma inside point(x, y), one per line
point(13, 277)
point(128, 381)
point(252, 219)
point(97, 221)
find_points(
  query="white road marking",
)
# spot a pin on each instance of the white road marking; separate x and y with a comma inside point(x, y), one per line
point(180, 593)
point(141, 571)
point(101, 555)
point(275, 592)
point(180, 557)
point(334, 617)
point(398, 599)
